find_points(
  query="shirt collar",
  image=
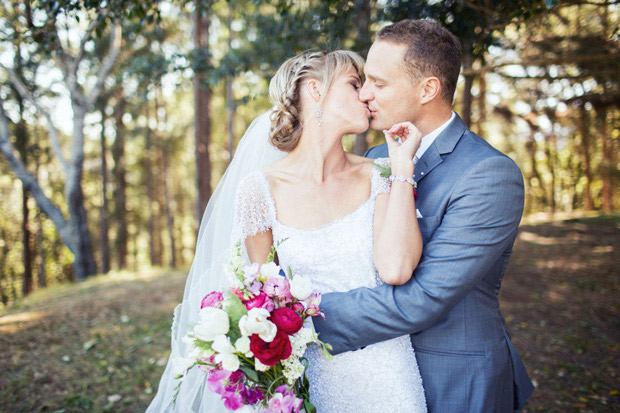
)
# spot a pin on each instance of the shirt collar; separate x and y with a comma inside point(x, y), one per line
point(428, 139)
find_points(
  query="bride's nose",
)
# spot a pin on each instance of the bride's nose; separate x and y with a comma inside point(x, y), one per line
point(364, 93)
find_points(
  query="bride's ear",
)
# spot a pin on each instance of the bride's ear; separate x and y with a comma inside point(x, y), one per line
point(314, 89)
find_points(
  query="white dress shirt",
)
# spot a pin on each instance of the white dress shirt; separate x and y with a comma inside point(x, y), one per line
point(428, 139)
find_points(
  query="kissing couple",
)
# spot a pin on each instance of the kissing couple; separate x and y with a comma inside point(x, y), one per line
point(409, 266)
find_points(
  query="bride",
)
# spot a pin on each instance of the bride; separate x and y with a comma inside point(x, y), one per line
point(338, 221)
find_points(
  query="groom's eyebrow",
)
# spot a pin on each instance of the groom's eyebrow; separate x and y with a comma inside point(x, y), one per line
point(373, 77)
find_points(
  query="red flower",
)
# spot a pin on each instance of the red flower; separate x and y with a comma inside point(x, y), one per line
point(286, 320)
point(270, 353)
point(415, 194)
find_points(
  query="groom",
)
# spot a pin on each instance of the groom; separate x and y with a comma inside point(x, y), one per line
point(469, 207)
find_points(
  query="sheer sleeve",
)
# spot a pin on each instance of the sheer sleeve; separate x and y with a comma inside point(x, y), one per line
point(254, 208)
point(379, 184)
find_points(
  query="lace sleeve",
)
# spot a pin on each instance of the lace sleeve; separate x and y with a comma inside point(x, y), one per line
point(379, 184)
point(254, 210)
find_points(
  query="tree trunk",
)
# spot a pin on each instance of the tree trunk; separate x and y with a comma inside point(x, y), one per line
point(148, 172)
point(167, 200)
point(607, 166)
point(469, 80)
point(584, 128)
point(42, 276)
point(21, 142)
point(120, 208)
point(105, 237)
point(230, 98)
point(531, 147)
point(482, 103)
point(202, 121)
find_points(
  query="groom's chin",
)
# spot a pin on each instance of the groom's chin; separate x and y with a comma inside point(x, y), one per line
point(375, 124)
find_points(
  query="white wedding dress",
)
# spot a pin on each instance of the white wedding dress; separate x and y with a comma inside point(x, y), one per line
point(382, 377)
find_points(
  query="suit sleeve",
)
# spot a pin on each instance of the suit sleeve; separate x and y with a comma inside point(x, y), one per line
point(479, 224)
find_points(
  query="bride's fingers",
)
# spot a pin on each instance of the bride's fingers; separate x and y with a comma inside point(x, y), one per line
point(405, 130)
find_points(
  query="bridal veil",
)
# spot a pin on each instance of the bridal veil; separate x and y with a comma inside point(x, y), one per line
point(206, 274)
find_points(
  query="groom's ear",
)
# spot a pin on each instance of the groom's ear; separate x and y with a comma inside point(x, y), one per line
point(431, 88)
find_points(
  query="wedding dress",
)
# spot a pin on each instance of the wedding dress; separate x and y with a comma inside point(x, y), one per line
point(338, 257)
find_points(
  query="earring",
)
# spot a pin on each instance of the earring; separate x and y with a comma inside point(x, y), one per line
point(319, 116)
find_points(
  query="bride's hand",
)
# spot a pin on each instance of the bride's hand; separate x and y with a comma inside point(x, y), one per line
point(401, 153)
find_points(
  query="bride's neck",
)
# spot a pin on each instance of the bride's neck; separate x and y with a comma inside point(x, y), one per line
point(318, 154)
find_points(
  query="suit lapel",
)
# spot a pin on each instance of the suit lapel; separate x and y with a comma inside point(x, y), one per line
point(444, 144)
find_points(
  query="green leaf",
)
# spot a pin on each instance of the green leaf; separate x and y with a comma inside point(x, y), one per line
point(235, 309)
point(309, 407)
point(251, 373)
point(385, 171)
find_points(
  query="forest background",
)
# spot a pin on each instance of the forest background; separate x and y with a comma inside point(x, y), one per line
point(105, 166)
point(118, 118)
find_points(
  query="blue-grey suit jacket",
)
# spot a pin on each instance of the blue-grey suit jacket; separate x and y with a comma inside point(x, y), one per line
point(471, 202)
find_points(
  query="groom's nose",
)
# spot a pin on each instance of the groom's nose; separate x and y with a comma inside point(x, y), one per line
point(364, 93)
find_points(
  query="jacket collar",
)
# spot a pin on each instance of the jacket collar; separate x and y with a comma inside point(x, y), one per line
point(444, 144)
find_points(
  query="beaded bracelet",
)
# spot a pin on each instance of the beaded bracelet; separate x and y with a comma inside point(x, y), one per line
point(403, 179)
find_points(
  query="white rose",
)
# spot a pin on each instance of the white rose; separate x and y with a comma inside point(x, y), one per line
point(230, 362)
point(213, 322)
point(255, 322)
point(270, 270)
point(301, 287)
point(181, 364)
point(260, 366)
point(243, 346)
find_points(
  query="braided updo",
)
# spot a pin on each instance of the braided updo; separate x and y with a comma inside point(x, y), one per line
point(285, 86)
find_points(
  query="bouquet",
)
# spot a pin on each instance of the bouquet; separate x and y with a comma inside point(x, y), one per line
point(250, 340)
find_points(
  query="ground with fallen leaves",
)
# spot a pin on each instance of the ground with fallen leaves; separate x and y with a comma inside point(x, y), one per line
point(102, 345)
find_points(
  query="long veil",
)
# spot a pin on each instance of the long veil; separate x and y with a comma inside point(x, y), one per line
point(206, 274)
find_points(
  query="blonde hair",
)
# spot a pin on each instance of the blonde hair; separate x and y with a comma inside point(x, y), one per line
point(285, 86)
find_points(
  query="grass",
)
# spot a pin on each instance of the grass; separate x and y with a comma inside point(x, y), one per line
point(95, 346)
point(102, 345)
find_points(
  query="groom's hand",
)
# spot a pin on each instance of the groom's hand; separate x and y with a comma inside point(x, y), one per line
point(401, 153)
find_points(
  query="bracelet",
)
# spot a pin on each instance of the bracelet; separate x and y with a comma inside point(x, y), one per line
point(403, 179)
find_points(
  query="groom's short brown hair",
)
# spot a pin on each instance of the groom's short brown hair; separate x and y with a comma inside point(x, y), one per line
point(432, 50)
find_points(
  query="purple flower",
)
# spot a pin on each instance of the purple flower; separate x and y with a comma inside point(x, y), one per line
point(213, 299)
point(217, 380)
point(250, 273)
point(252, 396)
point(284, 401)
point(232, 400)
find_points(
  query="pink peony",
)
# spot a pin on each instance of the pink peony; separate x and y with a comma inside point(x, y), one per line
point(260, 301)
point(213, 299)
point(278, 287)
